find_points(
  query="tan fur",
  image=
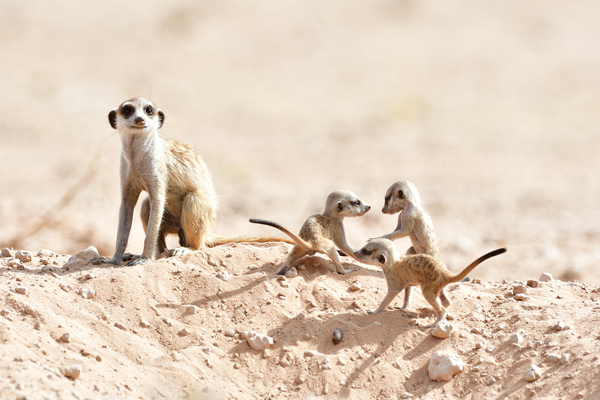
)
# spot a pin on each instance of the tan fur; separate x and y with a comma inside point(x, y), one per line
point(182, 198)
point(420, 269)
point(322, 232)
point(413, 221)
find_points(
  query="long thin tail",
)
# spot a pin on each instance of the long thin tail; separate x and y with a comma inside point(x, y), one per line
point(471, 267)
point(297, 239)
point(220, 240)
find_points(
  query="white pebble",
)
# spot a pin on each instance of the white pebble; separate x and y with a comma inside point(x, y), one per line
point(72, 371)
point(310, 353)
point(479, 345)
point(145, 324)
point(533, 373)
point(559, 326)
point(520, 297)
point(258, 341)
point(223, 275)
point(66, 338)
point(291, 273)
point(443, 366)
point(355, 286)
point(490, 349)
point(14, 263)
point(442, 330)
point(546, 277)
point(565, 359)
point(230, 333)
point(45, 253)
point(553, 357)
point(82, 258)
point(167, 321)
point(6, 252)
point(29, 310)
point(23, 256)
point(87, 293)
point(516, 339)
point(192, 309)
point(184, 332)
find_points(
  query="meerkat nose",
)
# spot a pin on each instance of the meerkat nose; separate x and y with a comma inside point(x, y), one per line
point(368, 207)
point(139, 120)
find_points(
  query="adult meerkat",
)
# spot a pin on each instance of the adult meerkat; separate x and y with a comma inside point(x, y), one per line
point(403, 197)
point(181, 196)
point(320, 233)
point(412, 270)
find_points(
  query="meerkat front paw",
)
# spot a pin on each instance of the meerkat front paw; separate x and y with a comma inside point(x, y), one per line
point(137, 261)
point(180, 251)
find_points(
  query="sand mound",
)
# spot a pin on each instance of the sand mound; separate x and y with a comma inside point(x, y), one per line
point(173, 329)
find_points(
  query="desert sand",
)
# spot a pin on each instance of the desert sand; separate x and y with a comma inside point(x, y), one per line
point(492, 110)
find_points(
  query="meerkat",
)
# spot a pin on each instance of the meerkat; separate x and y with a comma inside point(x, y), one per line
point(403, 197)
point(322, 232)
point(418, 269)
point(181, 196)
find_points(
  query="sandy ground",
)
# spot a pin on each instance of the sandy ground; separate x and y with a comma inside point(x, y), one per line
point(492, 110)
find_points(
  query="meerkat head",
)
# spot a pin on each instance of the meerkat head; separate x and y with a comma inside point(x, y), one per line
point(381, 252)
point(136, 115)
point(344, 203)
point(398, 195)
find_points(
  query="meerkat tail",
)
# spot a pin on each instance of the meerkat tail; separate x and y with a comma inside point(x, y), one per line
point(471, 267)
point(220, 240)
point(297, 239)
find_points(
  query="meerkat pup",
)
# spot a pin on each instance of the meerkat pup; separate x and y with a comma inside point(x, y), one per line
point(181, 196)
point(419, 269)
point(322, 232)
point(403, 197)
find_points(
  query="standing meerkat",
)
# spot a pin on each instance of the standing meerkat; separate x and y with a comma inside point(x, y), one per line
point(418, 269)
point(320, 233)
point(181, 196)
point(403, 197)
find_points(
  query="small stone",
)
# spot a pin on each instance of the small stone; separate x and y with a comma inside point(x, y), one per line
point(519, 289)
point(237, 366)
point(546, 277)
point(490, 349)
point(559, 326)
point(520, 297)
point(21, 290)
point(533, 283)
point(291, 273)
point(192, 310)
point(258, 341)
point(87, 293)
point(515, 339)
point(490, 381)
point(144, 324)
point(23, 256)
point(377, 323)
point(167, 321)
point(310, 353)
point(120, 326)
point(533, 373)
point(15, 264)
point(65, 287)
point(338, 336)
point(230, 333)
point(478, 331)
point(98, 358)
point(501, 326)
point(184, 332)
point(45, 253)
point(72, 371)
point(284, 284)
point(565, 359)
point(29, 310)
point(443, 366)
point(4, 312)
point(206, 350)
point(85, 353)
point(479, 345)
point(66, 338)
point(301, 315)
point(442, 330)
point(37, 326)
point(552, 357)
point(405, 395)
point(89, 276)
point(223, 275)
point(355, 287)
point(6, 252)
point(82, 258)
point(281, 296)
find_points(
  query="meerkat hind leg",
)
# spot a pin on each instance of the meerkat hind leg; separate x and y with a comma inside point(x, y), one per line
point(335, 257)
point(168, 225)
point(296, 254)
point(432, 298)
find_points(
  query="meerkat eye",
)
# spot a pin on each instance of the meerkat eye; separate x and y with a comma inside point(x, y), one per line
point(127, 110)
point(388, 198)
point(149, 110)
point(364, 251)
point(357, 203)
point(401, 194)
point(382, 259)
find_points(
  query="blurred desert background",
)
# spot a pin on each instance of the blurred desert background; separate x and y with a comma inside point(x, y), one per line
point(491, 109)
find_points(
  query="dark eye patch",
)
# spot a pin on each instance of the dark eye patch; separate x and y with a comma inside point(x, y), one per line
point(127, 110)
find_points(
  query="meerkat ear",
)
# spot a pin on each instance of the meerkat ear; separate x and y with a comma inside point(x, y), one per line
point(340, 207)
point(112, 118)
point(161, 118)
point(382, 258)
point(401, 193)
